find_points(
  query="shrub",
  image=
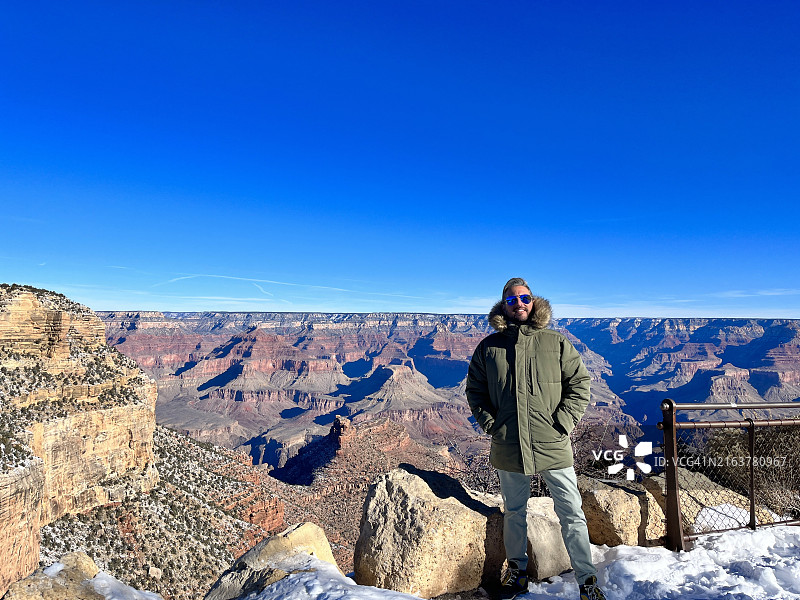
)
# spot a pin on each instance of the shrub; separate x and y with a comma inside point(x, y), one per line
point(776, 463)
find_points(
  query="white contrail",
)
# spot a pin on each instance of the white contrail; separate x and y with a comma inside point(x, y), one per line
point(255, 281)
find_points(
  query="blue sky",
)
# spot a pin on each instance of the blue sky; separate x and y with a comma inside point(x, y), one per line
point(628, 158)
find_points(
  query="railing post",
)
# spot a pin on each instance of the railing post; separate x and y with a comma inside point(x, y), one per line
point(674, 538)
point(751, 431)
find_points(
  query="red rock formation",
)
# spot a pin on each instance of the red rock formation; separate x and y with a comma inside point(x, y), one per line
point(274, 381)
point(344, 465)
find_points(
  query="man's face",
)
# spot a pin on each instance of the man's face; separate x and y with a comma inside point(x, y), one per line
point(518, 311)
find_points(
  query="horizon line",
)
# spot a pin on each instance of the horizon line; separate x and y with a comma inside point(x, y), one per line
point(433, 313)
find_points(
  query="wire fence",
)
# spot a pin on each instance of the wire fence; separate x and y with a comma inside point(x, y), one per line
point(729, 474)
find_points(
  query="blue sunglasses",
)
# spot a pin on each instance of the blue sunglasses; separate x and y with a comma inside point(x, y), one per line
point(512, 300)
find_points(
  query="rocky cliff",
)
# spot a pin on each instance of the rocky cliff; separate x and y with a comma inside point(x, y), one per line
point(76, 420)
point(695, 360)
point(209, 506)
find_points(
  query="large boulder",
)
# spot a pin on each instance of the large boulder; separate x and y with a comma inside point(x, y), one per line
point(265, 563)
point(652, 528)
point(547, 555)
point(416, 541)
point(423, 533)
point(623, 512)
point(64, 581)
point(612, 514)
point(74, 577)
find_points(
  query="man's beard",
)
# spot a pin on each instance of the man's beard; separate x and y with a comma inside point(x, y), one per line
point(516, 321)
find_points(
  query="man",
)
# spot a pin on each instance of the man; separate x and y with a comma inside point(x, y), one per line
point(528, 387)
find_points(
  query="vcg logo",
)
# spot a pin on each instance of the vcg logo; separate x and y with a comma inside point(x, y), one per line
point(642, 449)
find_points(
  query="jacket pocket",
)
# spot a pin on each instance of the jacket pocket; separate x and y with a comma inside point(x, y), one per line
point(544, 429)
point(505, 431)
point(506, 456)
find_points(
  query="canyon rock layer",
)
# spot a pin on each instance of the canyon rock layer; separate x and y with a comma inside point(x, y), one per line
point(76, 421)
point(270, 383)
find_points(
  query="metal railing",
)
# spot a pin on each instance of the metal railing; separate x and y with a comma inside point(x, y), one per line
point(724, 475)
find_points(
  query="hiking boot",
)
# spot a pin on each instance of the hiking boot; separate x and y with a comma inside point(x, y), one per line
point(514, 583)
point(590, 590)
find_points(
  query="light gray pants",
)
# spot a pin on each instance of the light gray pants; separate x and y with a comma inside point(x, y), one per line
point(563, 486)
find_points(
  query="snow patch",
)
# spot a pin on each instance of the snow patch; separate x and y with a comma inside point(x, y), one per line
point(53, 569)
point(320, 580)
point(724, 516)
point(736, 565)
point(113, 589)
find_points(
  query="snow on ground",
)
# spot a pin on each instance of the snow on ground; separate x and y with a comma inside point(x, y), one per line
point(737, 565)
point(320, 580)
point(724, 516)
point(728, 516)
point(113, 589)
point(106, 585)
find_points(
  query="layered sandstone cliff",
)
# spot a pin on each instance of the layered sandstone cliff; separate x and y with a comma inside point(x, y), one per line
point(76, 420)
point(731, 361)
point(272, 382)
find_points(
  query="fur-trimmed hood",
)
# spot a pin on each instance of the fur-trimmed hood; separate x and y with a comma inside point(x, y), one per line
point(540, 317)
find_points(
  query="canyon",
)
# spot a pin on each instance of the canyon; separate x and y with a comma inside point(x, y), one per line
point(85, 468)
point(270, 383)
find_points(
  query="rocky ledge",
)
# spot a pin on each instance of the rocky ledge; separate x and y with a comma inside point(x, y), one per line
point(76, 421)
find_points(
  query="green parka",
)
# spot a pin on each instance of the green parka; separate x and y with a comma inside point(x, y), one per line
point(527, 387)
